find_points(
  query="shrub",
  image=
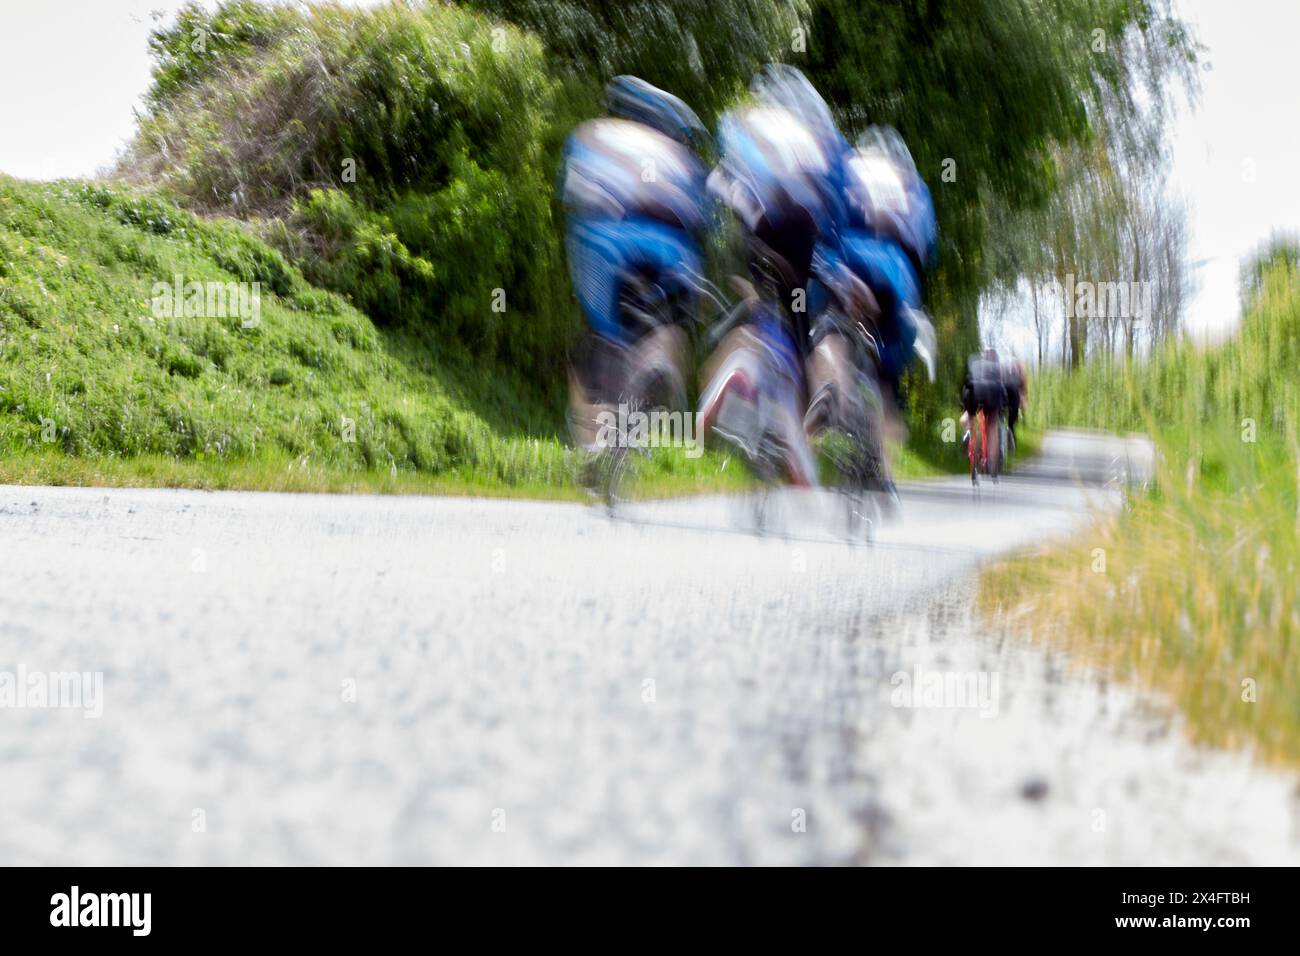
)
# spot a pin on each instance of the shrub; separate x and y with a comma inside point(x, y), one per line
point(403, 155)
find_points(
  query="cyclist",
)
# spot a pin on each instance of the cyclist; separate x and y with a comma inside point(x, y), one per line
point(1017, 391)
point(779, 173)
point(887, 241)
point(983, 391)
point(634, 190)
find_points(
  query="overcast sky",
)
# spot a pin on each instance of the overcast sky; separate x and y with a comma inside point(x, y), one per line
point(72, 71)
point(1248, 121)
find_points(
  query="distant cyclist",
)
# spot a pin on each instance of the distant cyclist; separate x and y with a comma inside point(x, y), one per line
point(1017, 387)
point(634, 190)
point(984, 391)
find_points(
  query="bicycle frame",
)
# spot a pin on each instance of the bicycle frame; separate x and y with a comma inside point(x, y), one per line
point(980, 430)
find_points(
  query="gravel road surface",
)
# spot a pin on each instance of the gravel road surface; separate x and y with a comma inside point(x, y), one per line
point(348, 680)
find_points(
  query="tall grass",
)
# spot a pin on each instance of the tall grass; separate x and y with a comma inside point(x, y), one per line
point(1255, 376)
point(1195, 588)
point(87, 366)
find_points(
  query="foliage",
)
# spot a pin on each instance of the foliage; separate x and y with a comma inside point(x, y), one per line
point(400, 151)
point(1199, 593)
point(705, 51)
point(89, 367)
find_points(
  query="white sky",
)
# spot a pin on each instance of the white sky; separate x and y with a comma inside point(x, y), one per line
point(1248, 120)
point(1235, 159)
point(72, 72)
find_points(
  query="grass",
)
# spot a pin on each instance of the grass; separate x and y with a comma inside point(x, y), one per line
point(263, 474)
point(1192, 590)
point(90, 366)
point(666, 475)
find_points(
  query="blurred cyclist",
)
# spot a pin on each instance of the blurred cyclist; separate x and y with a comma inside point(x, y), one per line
point(1017, 391)
point(780, 174)
point(984, 391)
point(635, 194)
point(888, 241)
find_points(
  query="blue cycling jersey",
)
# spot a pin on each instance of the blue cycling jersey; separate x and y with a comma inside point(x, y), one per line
point(636, 201)
point(773, 165)
point(604, 251)
point(888, 199)
point(888, 272)
point(618, 169)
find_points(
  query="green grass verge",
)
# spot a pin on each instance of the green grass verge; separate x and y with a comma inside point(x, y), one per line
point(91, 368)
point(920, 460)
point(666, 474)
point(1192, 589)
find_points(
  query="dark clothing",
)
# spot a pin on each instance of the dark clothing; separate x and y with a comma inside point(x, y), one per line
point(1013, 405)
point(984, 387)
point(779, 253)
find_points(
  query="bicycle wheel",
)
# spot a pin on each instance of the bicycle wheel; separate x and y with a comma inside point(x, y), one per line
point(657, 387)
point(845, 418)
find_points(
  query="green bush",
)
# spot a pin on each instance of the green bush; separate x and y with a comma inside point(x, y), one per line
point(402, 155)
point(91, 369)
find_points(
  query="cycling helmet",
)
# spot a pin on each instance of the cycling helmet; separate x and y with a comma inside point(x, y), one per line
point(884, 140)
point(779, 84)
point(772, 168)
point(885, 193)
point(605, 163)
point(632, 98)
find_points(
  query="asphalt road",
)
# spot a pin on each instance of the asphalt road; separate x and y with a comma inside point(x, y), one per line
point(315, 679)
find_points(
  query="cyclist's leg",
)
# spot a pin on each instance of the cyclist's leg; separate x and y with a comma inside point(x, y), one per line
point(1013, 416)
point(603, 254)
point(595, 371)
point(970, 443)
point(672, 257)
point(977, 444)
point(984, 440)
point(995, 446)
point(999, 425)
point(783, 385)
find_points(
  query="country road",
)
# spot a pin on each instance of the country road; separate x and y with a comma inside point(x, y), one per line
point(358, 680)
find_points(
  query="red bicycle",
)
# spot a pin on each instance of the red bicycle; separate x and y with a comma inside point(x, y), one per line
point(985, 455)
